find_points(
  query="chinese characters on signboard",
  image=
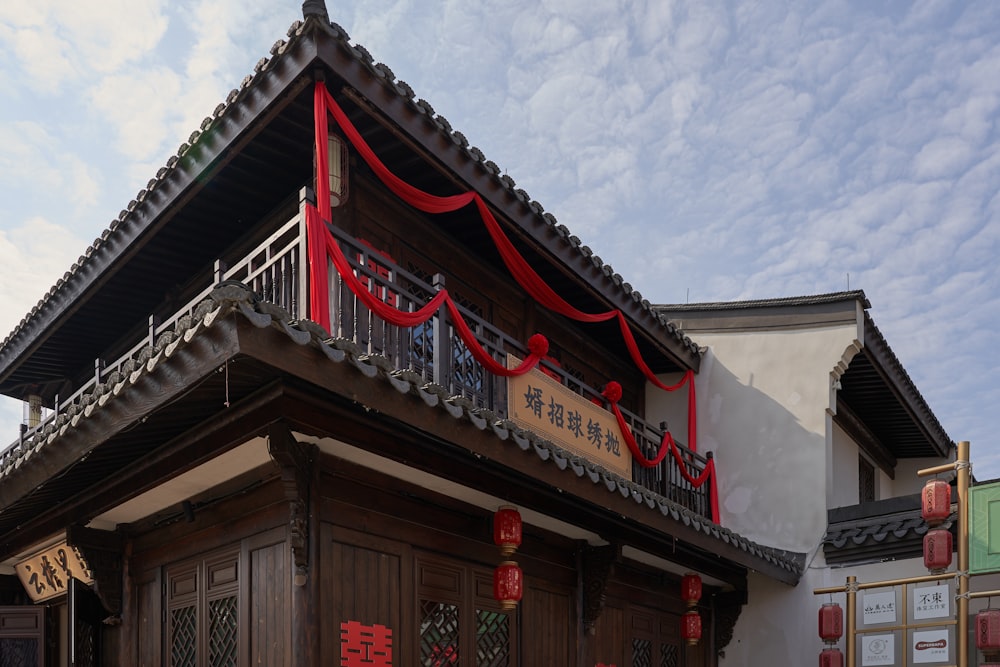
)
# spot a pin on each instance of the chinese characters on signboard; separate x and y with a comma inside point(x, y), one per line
point(46, 575)
point(931, 602)
point(880, 608)
point(542, 405)
point(877, 650)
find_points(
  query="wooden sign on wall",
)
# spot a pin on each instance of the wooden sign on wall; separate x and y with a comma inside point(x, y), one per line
point(538, 403)
point(46, 574)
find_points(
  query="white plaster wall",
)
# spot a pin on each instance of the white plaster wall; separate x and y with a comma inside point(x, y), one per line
point(907, 482)
point(842, 490)
point(763, 398)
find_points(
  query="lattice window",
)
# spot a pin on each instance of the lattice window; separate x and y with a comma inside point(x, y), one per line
point(203, 612)
point(642, 653)
point(669, 655)
point(18, 652)
point(86, 644)
point(183, 637)
point(222, 632)
point(492, 639)
point(439, 634)
point(866, 481)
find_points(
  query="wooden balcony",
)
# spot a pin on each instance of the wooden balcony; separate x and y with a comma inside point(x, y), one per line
point(276, 272)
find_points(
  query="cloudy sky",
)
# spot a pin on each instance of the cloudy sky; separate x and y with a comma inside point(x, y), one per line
point(708, 150)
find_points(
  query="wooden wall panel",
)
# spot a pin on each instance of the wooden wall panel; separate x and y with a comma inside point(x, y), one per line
point(609, 637)
point(268, 596)
point(548, 621)
point(364, 579)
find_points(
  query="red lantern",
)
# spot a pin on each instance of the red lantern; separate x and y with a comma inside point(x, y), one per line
point(691, 627)
point(831, 657)
point(937, 549)
point(831, 622)
point(988, 630)
point(508, 585)
point(935, 506)
point(691, 589)
point(507, 530)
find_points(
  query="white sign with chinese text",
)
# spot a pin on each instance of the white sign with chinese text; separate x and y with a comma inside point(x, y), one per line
point(877, 650)
point(931, 602)
point(542, 405)
point(879, 608)
point(930, 646)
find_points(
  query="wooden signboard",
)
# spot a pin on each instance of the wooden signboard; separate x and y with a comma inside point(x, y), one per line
point(46, 574)
point(540, 404)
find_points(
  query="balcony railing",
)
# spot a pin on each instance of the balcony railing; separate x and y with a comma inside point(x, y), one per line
point(275, 271)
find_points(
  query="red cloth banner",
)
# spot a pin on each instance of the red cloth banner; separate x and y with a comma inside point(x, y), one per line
point(519, 268)
point(613, 392)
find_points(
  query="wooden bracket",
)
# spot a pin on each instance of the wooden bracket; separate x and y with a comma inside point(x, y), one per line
point(596, 565)
point(295, 462)
point(102, 549)
point(728, 606)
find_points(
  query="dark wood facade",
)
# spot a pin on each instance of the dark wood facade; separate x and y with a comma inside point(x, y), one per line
point(248, 488)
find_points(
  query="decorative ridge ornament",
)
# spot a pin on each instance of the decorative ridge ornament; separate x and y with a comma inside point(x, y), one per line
point(315, 8)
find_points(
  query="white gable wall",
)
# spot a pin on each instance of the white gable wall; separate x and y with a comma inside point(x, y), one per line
point(763, 401)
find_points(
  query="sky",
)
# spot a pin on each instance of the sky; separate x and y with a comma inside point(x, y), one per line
point(707, 150)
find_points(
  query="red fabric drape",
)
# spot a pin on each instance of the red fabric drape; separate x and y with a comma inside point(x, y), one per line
point(538, 346)
point(613, 393)
point(515, 262)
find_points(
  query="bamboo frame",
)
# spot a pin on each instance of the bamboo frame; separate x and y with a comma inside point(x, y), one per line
point(962, 595)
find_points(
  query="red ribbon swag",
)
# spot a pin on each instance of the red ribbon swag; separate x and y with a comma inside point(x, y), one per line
point(321, 243)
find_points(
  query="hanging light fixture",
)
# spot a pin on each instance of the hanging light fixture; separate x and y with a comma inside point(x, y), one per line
point(935, 505)
point(831, 622)
point(507, 530)
point(937, 550)
point(691, 589)
point(338, 169)
point(831, 657)
point(691, 620)
point(988, 630)
point(508, 585)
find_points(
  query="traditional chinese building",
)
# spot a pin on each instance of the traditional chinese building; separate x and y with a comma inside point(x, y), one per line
point(333, 390)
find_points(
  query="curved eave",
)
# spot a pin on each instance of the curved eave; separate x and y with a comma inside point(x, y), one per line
point(274, 86)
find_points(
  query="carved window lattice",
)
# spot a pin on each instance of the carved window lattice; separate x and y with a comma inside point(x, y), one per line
point(222, 632)
point(866, 481)
point(183, 637)
point(492, 639)
point(18, 652)
point(642, 653)
point(86, 644)
point(669, 655)
point(439, 634)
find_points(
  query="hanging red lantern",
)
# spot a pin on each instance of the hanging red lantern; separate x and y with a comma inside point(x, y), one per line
point(935, 505)
point(988, 630)
point(508, 585)
point(831, 657)
point(831, 622)
point(691, 627)
point(937, 549)
point(691, 589)
point(507, 530)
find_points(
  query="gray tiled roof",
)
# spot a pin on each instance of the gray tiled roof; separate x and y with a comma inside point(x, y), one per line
point(401, 89)
point(238, 300)
point(891, 529)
